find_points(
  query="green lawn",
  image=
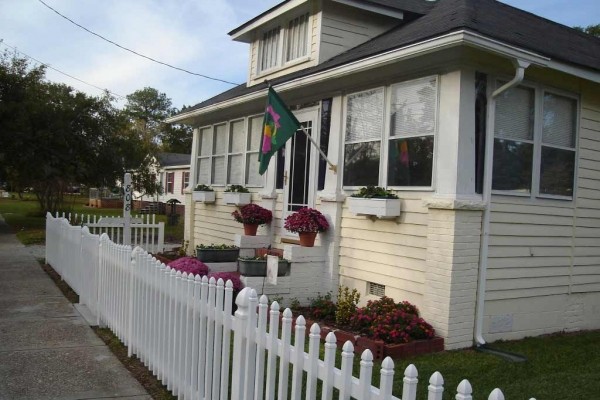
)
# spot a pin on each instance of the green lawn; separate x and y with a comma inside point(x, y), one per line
point(28, 222)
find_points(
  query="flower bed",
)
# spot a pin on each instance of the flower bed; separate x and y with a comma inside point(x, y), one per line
point(383, 326)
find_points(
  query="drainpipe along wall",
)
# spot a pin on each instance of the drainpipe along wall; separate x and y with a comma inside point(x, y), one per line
point(520, 66)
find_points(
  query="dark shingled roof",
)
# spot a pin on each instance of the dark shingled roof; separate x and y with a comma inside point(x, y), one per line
point(487, 17)
point(171, 159)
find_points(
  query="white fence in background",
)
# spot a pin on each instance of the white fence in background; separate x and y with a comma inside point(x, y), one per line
point(145, 231)
point(182, 328)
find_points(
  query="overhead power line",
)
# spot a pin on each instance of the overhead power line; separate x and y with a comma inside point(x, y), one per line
point(135, 52)
point(59, 71)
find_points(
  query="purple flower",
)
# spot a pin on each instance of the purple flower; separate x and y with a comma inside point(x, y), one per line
point(306, 220)
point(228, 276)
point(189, 265)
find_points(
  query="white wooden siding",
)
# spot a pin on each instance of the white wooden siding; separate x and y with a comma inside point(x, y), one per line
point(343, 28)
point(548, 251)
point(387, 252)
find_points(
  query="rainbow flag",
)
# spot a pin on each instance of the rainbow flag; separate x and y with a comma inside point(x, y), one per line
point(279, 125)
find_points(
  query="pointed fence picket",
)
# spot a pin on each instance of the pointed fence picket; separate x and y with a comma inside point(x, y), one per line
point(182, 328)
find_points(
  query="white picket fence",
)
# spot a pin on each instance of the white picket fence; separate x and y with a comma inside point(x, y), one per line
point(182, 328)
point(145, 231)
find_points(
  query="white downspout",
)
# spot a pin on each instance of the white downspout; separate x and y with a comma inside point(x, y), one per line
point(520, 65)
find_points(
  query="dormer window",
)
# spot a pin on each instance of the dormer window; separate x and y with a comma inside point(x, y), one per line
point(279, 46)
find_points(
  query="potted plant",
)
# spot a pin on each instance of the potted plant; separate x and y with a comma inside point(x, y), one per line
point(237, 194)
point(252, 215)
point(307, 222)
point(203, 193)
point(374, 200)
point(217, 253)
point(257, 266)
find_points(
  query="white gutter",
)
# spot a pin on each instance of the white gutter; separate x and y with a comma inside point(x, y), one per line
point(520, 65)
point(449, 40)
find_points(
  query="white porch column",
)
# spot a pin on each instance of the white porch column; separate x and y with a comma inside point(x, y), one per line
point(190, 205)
point(455, 215)
point(332, 198)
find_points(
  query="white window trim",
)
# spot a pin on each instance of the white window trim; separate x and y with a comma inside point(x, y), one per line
point(384, 141)
point(539, 91)
point(242, 153)
point(281, 63)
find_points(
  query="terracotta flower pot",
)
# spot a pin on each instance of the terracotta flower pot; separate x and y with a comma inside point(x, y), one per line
point(250, 229)
point(307, 239)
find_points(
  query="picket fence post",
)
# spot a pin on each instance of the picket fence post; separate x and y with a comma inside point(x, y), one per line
point(239, 344)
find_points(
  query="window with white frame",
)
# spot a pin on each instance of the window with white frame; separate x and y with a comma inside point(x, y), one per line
point(228, 153)
point(235, 166)
point(204, 156)
point(407, 139)
point(185, 181)
point(253, 178)
point(219, 175)
point(534, 142)
point(279, 46)
point(170, 182)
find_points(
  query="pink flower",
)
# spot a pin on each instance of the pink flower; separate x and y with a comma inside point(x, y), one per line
point(306, 220)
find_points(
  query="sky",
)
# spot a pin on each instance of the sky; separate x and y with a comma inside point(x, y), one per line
point(189, 34)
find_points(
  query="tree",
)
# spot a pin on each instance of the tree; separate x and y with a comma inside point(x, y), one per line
point(593, 30)
point(53, 137)
point(147, 109)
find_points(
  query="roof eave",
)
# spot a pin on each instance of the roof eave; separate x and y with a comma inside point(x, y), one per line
point(452, 39)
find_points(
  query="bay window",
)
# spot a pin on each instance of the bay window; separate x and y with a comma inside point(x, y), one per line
point(534, 143)
point(398, 153)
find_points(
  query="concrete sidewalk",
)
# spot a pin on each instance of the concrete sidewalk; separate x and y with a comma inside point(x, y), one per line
point(47, 351)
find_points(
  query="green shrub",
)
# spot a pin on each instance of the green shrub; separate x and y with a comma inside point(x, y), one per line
point(346, 305)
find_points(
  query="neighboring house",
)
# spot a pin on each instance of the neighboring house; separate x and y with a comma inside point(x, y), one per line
point(172, 171)
point(485, 121)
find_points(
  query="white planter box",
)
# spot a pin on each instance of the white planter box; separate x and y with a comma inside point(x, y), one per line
point(204, 197)
point(239, 199)
point(382, 208)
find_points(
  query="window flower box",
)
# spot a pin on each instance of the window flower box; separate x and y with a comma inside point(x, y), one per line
point(382, 208)
point(236, 198)
point(375, 201)
point(203, 193)
point(204, 197)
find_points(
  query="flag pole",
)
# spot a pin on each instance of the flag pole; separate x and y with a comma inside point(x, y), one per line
point(331, 165)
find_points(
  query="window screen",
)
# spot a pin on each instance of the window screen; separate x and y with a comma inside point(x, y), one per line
point(297, 38)
point(515, 113)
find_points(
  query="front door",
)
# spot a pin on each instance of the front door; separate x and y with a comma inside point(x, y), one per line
point(301, 159)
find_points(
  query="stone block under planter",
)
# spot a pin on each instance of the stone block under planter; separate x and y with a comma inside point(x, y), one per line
point(259, 267)
point(217, 255)
point(382, 208)
point(236, 198)
point(204, 197)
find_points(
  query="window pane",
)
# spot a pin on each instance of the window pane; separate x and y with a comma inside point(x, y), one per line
point(255, 126)
point(361, 164)
point(410, 162)
point(514, 114)
point(269, 47)
point(559, 120)
point(220, 139)
point(413, 108)
point(236, 137)
point(296, 43)
point(235, 175)
point(557, 171)
point(218, 170)
point(512, 165)
point(203, 172)
point(252, 164)
point(205, 142)
point(364, 117)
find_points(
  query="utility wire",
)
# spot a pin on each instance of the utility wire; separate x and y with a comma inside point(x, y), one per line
point(59, 71)
point(135, 52)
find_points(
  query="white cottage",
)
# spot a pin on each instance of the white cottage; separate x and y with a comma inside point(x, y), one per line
point(483, 119)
